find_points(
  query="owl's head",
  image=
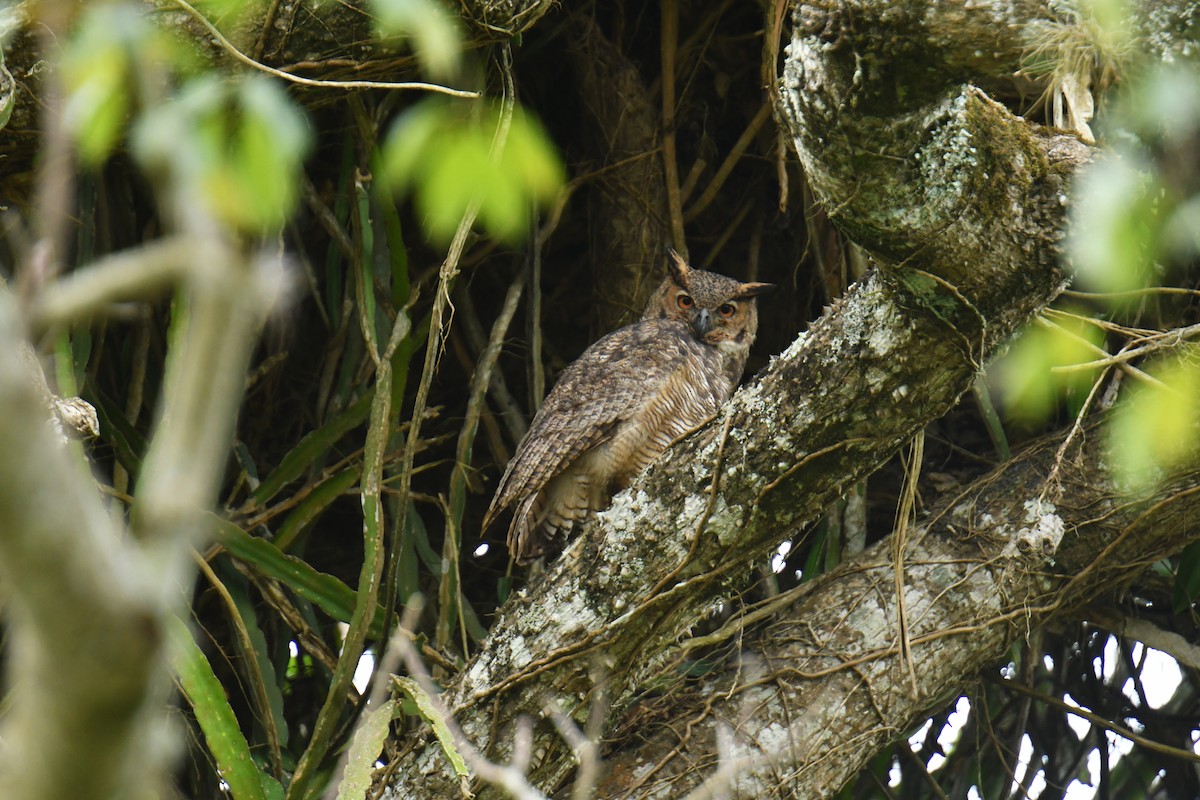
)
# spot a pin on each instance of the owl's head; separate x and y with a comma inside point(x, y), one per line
point(720, 310)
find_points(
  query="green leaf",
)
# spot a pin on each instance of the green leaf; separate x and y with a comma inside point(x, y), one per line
point(450, 159)
point(413, 139)
point(313, 504)
point(328, 593)
point(216, 719)
point(1026, 376)
point(239, 147)
point(365, 747)
point(218, 10)
point(430, 714)
point(530, 155)
point(96, 71)
point(306, 452)
point(237, 585)
point(1156, 428)
point(1116, 225)
point(436, 38)
point(114, 59)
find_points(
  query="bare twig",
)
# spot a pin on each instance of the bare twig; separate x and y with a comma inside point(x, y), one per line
point(670, 40)
point(905, 515)
point(449, 596)
point(731, 160)
point(287, 76)
point(1096, 719)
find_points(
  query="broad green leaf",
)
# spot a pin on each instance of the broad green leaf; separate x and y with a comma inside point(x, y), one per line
point(530, 154)
point(308, 451)
point(96, 70)
point(238, 588)
point(114, 60)
point(325, 591)
point(1167, 103)
point(1117, 225)
point(218, 10)
point(453, 178)
point(1025, 377)
point(313, 504)
point(414, 138)
point(239, 147)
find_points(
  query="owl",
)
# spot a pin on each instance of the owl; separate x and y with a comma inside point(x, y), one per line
point(623, 402)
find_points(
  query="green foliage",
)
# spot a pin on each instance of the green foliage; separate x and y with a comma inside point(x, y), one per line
point(207, 698)
point(1039, 370)
point(436, 38)
point(1157, 427)
point(237, 146)
point(1118, 225)
point(112, 43)
point(1134, 217)
point(325, 591)
point(433, 715)
point(220, 10)
point(1134, 227)
point(450, 158)
point(365, 748)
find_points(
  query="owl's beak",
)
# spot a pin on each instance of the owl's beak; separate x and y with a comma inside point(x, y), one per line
point(702, 322)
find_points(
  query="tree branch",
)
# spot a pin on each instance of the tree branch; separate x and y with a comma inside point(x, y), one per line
point(820, 687)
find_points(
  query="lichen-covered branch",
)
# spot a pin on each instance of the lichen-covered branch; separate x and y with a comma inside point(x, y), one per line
point(820, 687)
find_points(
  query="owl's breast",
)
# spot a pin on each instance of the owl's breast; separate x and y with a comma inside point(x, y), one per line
point(692, 388)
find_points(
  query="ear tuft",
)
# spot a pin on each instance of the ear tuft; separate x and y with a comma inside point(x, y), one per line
point(748, 290)
point(677, 268)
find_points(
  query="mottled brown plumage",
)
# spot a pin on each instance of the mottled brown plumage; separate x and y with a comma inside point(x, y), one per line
point(620, 405)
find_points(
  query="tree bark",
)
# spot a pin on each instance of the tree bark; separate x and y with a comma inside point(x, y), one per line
point(627, 243)
point(820, 685)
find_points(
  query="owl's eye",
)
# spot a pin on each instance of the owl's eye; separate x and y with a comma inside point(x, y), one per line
point(727, 310)
point(684, 301)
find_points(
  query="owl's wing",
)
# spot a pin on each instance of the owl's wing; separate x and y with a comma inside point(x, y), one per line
point(605, 386)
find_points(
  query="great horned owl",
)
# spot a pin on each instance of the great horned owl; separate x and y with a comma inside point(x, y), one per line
point(621, 404)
